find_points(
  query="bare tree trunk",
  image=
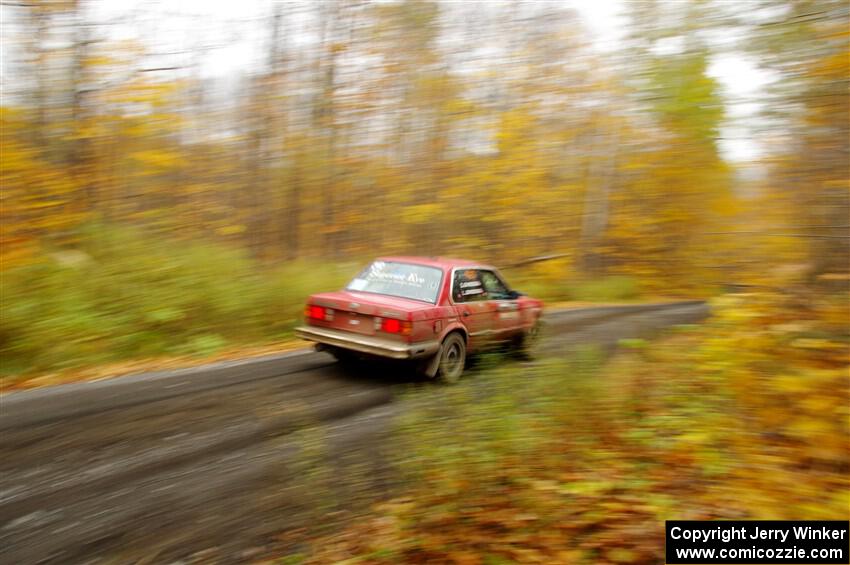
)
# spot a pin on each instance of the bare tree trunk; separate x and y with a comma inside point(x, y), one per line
point(80, 158)
point(594, 219)
point(326, 119)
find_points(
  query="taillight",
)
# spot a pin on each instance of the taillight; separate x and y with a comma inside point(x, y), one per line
point(393, 326)
point(319, 313)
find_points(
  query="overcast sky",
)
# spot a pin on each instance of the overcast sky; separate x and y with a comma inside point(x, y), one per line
point(230, 26)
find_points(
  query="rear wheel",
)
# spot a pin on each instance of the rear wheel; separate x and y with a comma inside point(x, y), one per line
point(452, 358)
point(343, 356)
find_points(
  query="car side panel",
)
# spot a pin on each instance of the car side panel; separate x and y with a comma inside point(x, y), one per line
point(430, 324)
point(479, 318)
point(530, 311)
point(509, 319)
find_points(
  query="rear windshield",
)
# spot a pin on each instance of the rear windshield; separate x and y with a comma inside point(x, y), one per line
point(404, 280)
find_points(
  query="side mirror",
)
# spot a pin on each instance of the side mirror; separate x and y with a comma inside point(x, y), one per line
point(514, 294)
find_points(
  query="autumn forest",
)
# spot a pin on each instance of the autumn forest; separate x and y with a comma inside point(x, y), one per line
point(176, 178)
point(433, 128)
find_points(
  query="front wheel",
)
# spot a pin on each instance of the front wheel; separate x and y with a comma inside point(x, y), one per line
point(452, 359)
point(528, 343)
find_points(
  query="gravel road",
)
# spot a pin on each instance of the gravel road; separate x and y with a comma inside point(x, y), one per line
point(217, 463)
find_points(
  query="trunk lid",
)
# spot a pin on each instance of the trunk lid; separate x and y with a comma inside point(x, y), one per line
point(357, 311)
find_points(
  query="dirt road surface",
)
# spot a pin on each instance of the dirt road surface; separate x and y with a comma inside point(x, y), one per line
point(220, 463)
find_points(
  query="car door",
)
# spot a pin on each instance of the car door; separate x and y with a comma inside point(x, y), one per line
point(507, 321)
point(473, 306)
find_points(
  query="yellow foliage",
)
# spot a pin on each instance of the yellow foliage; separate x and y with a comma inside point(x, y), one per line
point(156, 159)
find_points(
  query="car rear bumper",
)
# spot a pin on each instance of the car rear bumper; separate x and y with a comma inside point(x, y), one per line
point(368, 344)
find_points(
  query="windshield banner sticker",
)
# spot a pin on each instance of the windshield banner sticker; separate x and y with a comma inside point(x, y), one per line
point(404, 280)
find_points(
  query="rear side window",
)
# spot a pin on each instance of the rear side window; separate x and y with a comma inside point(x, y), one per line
point(468, 286)
point(403, 280)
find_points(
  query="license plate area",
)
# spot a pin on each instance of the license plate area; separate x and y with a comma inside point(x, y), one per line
point(356, 323)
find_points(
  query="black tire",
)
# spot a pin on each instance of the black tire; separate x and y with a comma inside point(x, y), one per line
point(452, 358)
point(343, 356)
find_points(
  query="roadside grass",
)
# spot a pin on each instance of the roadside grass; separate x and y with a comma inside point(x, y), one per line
point(569, 460)
point(604, 289)
point(133, 297)
point(557, 283)
point(564, 287)
point(130, 302)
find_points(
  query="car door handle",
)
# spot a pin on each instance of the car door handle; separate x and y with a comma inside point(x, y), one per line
point(507, 306)
point(466, 314)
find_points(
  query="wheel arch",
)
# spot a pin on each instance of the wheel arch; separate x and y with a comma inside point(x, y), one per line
point(432, 365)
point(456, 328)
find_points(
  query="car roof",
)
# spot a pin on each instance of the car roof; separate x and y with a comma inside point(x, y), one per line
point(440, 262)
